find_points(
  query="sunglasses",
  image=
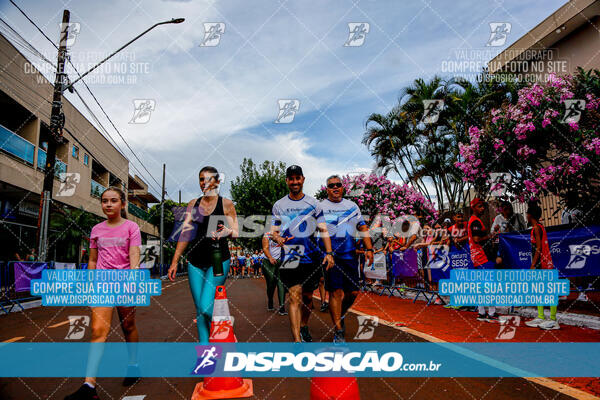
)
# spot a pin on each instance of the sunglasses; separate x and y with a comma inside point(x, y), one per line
point(334, 185)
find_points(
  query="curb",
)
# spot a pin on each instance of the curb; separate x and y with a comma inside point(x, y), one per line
point(26, 305)
point(566, 318)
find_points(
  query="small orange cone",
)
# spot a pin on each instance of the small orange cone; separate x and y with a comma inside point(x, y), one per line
point(221, 331)
point(334, 389)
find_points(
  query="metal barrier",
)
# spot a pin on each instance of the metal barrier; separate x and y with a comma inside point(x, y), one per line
point(416, 278)
point(12, 296)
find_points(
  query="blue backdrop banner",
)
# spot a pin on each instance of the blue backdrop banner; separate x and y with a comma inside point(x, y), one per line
point(575, 252)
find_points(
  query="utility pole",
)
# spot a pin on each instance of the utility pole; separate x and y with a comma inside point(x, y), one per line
point(180, 197)
point(57, 122)
point(162, 216)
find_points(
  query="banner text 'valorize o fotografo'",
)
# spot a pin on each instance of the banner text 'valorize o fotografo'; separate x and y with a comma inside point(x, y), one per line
point(96, 287)
point(504, 287)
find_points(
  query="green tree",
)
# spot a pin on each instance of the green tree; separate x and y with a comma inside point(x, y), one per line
point(71, 226)
point(169, 216)
point(424, 155)
point(255, 191)
point(171, 208)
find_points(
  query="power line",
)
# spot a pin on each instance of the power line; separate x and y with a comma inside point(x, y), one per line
point(25, 91)
point(106, 132)
point(113, 125)
point(34, 24)
point(92, 94)
point(20, 40)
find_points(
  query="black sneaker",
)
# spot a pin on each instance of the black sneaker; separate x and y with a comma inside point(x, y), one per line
point(132, 375)
point(324, 306)
point(282, 311)
point(305, 335)
point(492, 318)
point(338, 337)
point(481, 317)
point(85, 392)
point(270, 306)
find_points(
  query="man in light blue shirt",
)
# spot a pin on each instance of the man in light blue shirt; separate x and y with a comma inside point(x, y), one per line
point(296, 218)
point(345, 225)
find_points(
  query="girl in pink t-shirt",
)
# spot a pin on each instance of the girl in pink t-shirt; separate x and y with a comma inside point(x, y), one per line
point(114, 244)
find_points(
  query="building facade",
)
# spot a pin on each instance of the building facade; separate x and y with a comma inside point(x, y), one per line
point(87, 162)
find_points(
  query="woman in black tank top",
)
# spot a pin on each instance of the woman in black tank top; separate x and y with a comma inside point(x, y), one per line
point(209, 221)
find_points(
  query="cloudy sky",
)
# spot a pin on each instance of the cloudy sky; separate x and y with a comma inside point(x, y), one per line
point(216, 103)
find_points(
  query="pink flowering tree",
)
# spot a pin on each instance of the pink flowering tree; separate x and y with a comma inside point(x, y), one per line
point(376, 194)
point(549, 143)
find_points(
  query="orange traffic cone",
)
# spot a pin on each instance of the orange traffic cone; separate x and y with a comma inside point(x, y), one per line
point(334, 389)
point(221, 331)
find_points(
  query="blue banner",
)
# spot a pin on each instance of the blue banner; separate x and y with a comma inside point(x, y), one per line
point(575, 252)
point(96, 287)
point(303, 360)
point(457, 258)
point(504, 287)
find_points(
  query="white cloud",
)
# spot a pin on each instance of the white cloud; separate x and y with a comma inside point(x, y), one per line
point(195, 112)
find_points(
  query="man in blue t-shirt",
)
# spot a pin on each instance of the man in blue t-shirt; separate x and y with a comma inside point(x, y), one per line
point(256, 264)
point(296, 217)
point(345, 225)
point(242, 263)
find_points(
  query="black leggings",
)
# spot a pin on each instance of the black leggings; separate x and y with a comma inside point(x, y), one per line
point(271, 272)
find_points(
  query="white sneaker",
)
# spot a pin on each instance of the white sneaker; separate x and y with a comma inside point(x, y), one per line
point(582, 297)
point(550, 325)
point(535, 323)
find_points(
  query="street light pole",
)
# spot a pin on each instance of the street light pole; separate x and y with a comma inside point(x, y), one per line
point(57, 122)
point(162, 218)
point(172, 21)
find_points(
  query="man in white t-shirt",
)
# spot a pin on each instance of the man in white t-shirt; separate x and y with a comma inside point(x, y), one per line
point(570, 216)
point(506, 221)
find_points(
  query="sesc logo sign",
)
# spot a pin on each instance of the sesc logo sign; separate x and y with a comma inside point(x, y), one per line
point(581, 252)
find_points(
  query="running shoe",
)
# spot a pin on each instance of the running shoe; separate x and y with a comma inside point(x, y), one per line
point(481, 317)
point(550, 324)
point(492, 318)
point(305, 335)
point(438, 301)
point(282, 311)
point(270, 306)
point(535, 323)
point(132, 375)
point(85, 392)
point(582, 297)
point(338, 337)
point(324, 306)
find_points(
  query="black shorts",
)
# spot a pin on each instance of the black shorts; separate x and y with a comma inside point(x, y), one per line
point(307, 275)
point(343, 275)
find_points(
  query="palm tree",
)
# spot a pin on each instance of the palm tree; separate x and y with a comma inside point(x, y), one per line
point(424, 154)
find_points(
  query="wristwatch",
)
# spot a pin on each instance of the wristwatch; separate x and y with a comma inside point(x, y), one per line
point(329, 253)
point(368, 249)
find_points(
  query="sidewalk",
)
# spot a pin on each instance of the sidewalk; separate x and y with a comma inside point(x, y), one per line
point(462, 326)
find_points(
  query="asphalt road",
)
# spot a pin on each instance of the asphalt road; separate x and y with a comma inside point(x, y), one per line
point(170, 319)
